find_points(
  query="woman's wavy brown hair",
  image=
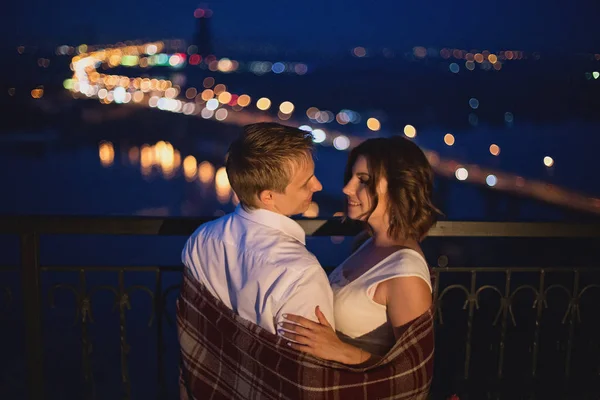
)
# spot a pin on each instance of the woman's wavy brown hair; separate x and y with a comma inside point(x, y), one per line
point(410, 184)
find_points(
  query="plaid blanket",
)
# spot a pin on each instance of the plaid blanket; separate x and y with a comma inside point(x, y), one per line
point(224, 356)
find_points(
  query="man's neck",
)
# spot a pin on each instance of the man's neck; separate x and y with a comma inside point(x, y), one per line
point(272, 209)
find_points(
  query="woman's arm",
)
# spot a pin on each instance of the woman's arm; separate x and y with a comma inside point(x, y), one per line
point(406, 299)
point(319, 339)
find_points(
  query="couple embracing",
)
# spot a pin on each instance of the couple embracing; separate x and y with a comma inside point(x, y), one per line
point(257, 315)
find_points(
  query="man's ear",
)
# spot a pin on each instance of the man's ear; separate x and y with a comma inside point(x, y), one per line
point(266, 198)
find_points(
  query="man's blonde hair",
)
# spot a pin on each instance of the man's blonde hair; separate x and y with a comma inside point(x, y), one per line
point(264, 158)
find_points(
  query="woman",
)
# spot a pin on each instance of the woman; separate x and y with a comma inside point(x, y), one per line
point(385, 284)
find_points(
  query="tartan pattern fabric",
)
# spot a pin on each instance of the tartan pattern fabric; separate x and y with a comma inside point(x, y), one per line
point(224, 356)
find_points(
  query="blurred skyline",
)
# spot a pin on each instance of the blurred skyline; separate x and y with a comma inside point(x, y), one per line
point(315, 26)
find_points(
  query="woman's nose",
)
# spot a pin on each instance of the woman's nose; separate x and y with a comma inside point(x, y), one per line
point(348, 190)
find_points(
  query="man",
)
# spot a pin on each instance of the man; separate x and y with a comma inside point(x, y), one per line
point(254, 260)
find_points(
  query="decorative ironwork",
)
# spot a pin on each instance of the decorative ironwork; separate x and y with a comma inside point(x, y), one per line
point(121, 302)
point(505, 314)
point(505, 291)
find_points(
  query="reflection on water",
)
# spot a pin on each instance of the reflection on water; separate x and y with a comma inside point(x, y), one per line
point(134, 155)
point(206, 172)
point(162, 156)
point(189, 168)
point(106, 152)
point(166, 159)
point(222, 186)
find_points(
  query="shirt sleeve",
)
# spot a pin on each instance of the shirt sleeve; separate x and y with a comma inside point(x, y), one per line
point(311, 289)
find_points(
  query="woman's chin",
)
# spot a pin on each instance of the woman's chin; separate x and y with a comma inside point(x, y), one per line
point(355, 214)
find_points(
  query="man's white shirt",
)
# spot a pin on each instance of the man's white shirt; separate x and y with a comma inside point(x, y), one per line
point(256, 263)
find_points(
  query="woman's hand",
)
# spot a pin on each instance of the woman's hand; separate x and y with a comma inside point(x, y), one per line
point(319, 339)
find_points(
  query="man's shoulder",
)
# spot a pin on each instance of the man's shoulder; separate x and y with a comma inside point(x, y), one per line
point(210, 228)
point(258, 242)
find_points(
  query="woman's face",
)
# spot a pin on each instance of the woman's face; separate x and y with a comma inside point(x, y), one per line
point(357, 192)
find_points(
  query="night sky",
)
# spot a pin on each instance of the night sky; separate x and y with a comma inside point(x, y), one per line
point(316, 24)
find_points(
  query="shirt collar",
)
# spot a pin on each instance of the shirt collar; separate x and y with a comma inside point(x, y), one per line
point(273, 220)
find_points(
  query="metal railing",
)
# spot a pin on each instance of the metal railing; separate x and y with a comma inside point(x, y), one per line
point(575, 287)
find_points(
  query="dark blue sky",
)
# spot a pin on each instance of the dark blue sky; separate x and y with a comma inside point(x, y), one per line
point(317, 24)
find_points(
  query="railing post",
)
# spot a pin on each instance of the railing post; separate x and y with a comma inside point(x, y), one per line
point(160, 345)
point(32, 304)
point(472, 302)
point(574, 308)
point(505, 313)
